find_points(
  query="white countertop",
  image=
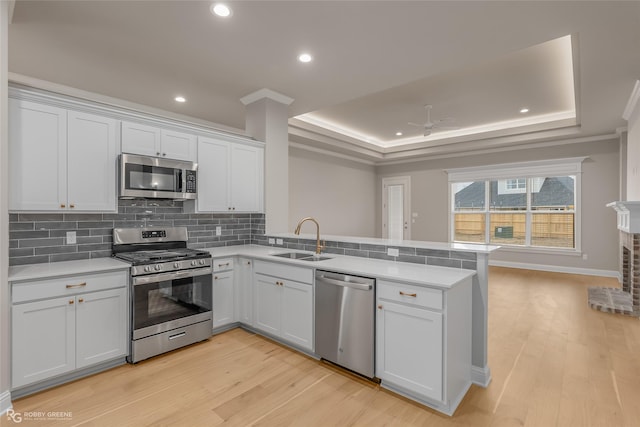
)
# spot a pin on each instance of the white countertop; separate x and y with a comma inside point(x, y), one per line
point(19, 273)
point(418, 274)
point(462, 247)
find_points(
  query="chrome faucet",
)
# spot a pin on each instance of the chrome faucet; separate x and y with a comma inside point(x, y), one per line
point(319, 247)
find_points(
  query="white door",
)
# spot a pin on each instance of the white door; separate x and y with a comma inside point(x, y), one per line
point(43, 340)
point(297, 313)
point(101, 326)
point(140, 139)
point(244, 296)
point(246, 178)
point(178, 145)
point(223, 298)
point(396, 208)
point(213, 175)
point(268, 304)
point(37, 156)
point(91, 162)
point(409, 348)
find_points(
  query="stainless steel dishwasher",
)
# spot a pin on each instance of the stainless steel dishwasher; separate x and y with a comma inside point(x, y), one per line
point(345, 321)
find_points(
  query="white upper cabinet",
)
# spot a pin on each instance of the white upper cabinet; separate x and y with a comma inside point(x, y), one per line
point(60, 159)
point(37, 156)
point(91, 162)
point(152, 141)
point(230, 176)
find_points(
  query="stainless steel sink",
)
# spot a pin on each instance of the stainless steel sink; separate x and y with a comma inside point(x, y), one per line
point(302, 256)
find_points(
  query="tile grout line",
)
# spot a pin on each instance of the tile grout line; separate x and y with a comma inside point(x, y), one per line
point(506, 381)
point(290, 399)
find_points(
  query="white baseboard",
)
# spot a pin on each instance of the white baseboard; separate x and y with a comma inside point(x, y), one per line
point(5, 402)
point(481, 376)
point(557, 269)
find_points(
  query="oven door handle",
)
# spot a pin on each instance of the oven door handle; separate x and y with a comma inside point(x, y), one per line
point(161, 277)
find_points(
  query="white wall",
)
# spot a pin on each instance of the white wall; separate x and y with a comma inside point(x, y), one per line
point(633, 155)
point(339, 193)
point(600, 185)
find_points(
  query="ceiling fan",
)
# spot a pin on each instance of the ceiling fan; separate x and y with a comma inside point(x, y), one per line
point(434, 125)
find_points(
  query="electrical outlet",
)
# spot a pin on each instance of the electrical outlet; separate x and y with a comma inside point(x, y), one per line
point(71, 237)
point(585, 257)
point(218, 230)
point(272, 241)
point(393, 251)
point(279, 242)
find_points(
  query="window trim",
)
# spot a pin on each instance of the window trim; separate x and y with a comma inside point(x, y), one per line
point(533, 169)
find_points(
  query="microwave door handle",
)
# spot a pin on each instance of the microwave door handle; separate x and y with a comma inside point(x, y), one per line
point(179, 180)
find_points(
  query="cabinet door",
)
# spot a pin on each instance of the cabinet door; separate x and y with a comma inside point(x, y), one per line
point(409, 348)
point(101, 326)
point(247, 178)
point(37, 156)
point(91, 162)
point(43, 340)
point(297, 314)
point(178, 145)
point(223, 302)
point(268, 302)
point(244, 296)
point(140, 139)
point(213, 175)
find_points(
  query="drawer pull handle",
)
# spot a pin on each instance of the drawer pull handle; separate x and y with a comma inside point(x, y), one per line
point(408, 295)
point(224, 265)
point(215, 277)
point(248, 262)
point(71, 301)
point(72, 206)
point(80, 299)
point(62, 205)
point(380, 307)
point(180, 335)
point(79, 285)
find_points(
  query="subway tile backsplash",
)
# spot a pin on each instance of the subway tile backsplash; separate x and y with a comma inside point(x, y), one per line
point(444, 258)
point(41, 238)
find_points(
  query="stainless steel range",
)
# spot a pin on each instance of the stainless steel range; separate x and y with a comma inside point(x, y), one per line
point(170, 289)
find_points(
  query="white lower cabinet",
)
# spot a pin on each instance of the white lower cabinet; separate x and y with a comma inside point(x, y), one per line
point(244, 294)
point(82, 322)
point(423, 342)
point(223, 293)
point(283, 304)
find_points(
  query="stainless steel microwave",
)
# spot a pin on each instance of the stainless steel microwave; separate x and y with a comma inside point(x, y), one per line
point(157, 178)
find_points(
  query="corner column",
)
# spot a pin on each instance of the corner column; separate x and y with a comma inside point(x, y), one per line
point(267, 115)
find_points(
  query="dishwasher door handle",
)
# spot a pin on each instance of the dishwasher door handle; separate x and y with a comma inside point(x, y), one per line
point(353, 285)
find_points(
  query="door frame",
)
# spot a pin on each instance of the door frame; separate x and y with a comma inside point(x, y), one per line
point(405, 181)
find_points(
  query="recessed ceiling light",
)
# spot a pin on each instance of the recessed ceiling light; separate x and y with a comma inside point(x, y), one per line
point(305, 57)
point(220, 9)
point(398, 133)
point(180, 99)
point(524, 110)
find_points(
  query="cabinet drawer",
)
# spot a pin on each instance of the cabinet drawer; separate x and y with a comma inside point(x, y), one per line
point(299, 274)
point(416, 295)
point(61, 286)
point(223, 264)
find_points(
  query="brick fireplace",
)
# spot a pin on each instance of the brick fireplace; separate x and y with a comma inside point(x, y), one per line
point(625, 300)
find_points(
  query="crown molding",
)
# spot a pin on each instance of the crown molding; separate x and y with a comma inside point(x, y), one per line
point(331, 153)
point(266, 93)
point(633, 101)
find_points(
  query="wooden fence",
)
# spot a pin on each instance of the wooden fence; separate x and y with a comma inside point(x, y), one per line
point(547, 229)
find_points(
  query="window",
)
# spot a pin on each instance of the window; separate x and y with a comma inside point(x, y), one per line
point(521, 211)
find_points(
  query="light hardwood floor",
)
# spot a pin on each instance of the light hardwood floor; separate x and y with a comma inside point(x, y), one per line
point(555, 362)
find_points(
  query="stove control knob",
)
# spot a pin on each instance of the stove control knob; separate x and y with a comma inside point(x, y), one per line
point(176, 265)
point(147, 268)
point(194, 263)
point(201, 262)
point(158, 267)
